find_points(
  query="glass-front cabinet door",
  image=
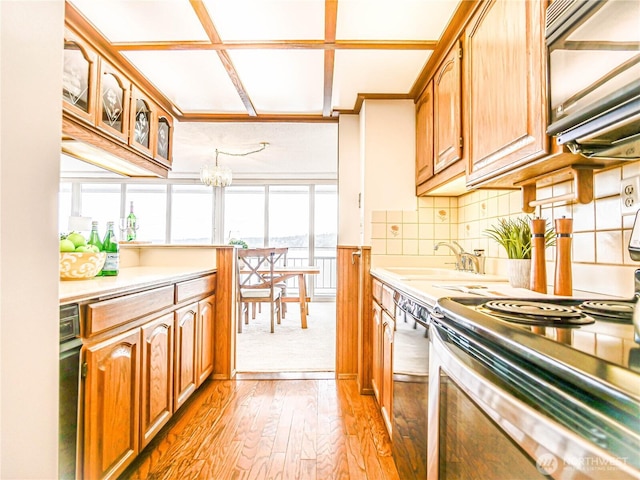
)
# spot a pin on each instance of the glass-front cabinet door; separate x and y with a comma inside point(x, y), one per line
point(78, 78)
point(113, 102)
point(142, 118)
point(164, 132)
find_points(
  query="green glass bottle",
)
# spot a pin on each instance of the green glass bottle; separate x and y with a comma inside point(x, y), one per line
point(94, 239)
point(110, 245)
point(131, 225)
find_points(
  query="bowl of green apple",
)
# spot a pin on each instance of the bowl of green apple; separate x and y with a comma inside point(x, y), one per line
point(78, 260)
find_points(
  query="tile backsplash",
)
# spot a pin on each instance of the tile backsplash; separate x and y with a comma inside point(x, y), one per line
point(601, 262)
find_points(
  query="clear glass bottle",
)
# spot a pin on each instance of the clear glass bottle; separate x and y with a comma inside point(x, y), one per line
point(110, 245)
point(131, 225)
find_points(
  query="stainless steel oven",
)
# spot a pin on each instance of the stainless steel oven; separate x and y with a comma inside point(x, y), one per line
point(512, 398)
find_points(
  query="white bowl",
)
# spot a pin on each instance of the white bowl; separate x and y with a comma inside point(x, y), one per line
point(81, 265)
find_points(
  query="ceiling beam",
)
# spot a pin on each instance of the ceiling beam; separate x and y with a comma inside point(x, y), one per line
point(279, 45)
point(286, 118)
point(212, 33)
point(330, 22)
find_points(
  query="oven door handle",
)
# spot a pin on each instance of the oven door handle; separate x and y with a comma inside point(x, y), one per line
point(515, 417)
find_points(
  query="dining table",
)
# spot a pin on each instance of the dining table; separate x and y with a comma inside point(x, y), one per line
point(283, 273)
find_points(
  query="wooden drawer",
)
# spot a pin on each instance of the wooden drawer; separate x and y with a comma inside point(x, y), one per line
point(117, 311)
point(377, 291)
point(195, 288)
point(387, 300)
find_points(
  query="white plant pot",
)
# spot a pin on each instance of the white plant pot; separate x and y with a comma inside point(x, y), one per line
point(519, 272)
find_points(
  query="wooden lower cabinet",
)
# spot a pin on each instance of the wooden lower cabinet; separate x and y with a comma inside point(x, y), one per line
point(376, 350)
point(386, 405)
point(382, 350)
point(111, 405)
point(185, 379)
point(206, 314)
point(139, 376)
point(157, 377)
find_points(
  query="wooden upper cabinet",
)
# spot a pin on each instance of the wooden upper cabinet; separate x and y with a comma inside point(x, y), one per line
point(142, 119)
point(114, 90)
point(164, 137)
point(447, 111)
point(424, 136)
point(504, 69)
point(79, 78)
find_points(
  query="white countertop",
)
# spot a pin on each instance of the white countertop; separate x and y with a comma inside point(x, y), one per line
point(128, 279)
point(430, 289)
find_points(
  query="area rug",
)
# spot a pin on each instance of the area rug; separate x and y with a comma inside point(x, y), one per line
point(290, 348)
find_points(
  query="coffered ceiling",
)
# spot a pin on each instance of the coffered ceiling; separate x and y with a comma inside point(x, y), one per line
point(300, 61)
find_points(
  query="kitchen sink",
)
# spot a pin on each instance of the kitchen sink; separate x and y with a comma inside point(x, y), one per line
point(435, 273)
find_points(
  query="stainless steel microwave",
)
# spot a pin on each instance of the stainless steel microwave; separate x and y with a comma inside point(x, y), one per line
point(593, 51)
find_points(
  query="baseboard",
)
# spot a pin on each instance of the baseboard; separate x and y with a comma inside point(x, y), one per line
point(285, 376)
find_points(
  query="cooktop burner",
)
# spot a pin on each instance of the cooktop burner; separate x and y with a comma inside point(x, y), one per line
point(536, 313)
point(609, 310)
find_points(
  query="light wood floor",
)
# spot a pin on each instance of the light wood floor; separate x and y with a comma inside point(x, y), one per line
point(271, 429)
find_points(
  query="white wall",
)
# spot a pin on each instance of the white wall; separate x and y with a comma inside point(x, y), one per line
point(387, 155)
point(349, 222)
point(31, 37)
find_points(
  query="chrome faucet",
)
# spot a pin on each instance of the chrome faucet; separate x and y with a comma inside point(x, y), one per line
point(465, 261)
point(473, 262)
point(457, 250)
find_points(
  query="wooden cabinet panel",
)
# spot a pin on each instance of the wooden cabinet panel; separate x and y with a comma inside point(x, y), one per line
point(424, 136)
point(111, 313)
point(447, 111)
point(142, 119)
point(386, 405)
point(195, 288)
point(504, 68)
point(156, 404)
point(79, 78)
point(185, 356)
point(164, 137)
point(111, 406)
point(206, 329)
point(376, 350)
point(387, 300)
point(113, 93)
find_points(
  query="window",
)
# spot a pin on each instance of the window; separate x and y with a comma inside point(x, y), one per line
point(325, 238)
point(289, 220)
point(64, 206)
point(244, 215)
point(150, 207)
point(101, 202)
point(191, 214)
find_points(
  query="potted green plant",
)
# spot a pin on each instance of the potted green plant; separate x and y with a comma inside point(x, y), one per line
point(514, 235)
point(240, 243)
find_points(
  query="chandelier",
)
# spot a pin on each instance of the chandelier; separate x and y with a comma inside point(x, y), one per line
point(218, 176)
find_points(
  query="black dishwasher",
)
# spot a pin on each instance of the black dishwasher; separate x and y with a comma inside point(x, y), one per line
point(70, 346)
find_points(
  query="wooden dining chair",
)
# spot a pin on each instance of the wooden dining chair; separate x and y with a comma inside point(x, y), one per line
point(256, 283)
point(280, 259)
